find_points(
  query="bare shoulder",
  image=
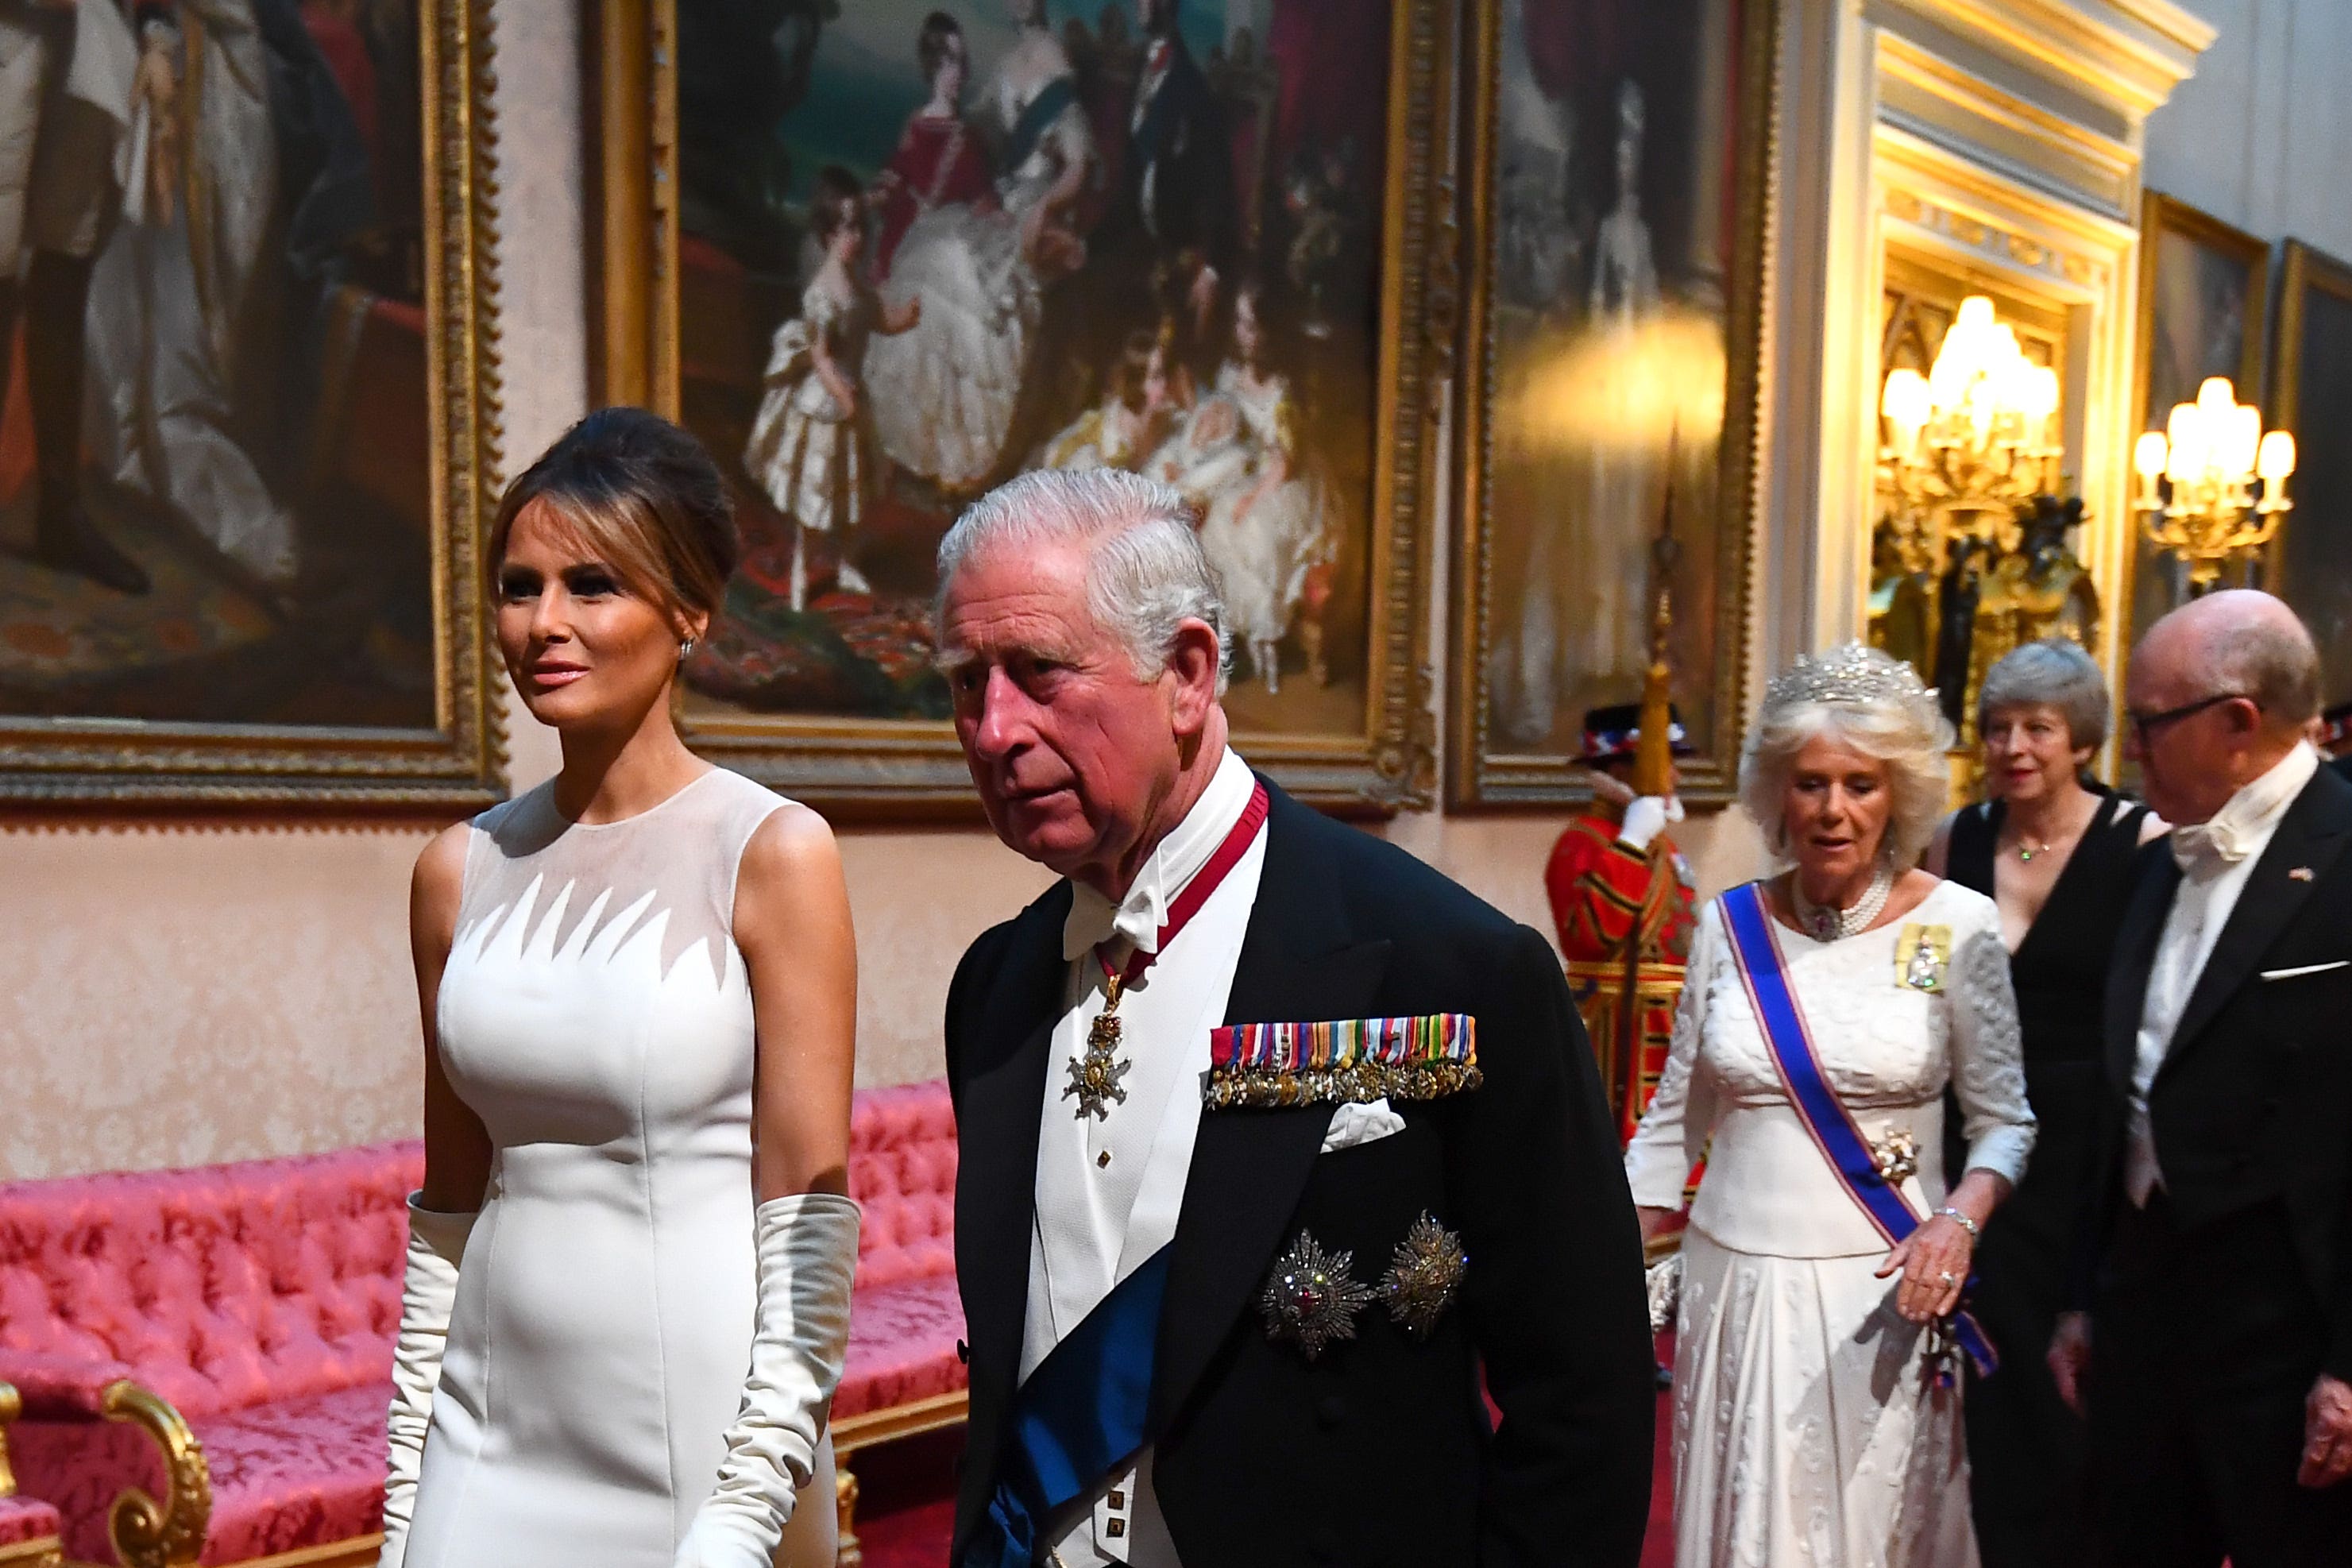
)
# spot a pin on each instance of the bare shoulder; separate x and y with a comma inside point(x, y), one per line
point(438, 884)
point(791, 841)
point(790, 864)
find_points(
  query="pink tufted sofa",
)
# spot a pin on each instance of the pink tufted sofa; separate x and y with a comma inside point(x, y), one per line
point(220, 1339)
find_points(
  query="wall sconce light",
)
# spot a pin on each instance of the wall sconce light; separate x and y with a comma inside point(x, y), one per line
point(2197, 479)
point(1973, 434)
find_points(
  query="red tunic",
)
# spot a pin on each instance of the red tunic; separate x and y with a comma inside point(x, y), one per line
point(1623, 916)
point(938, 160)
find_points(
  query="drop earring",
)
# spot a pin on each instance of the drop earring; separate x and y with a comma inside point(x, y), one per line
point(684, 648)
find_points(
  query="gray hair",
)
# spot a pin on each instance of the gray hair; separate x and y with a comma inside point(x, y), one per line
point(1898, 724)
point(2052, 673)
point(1146, 576)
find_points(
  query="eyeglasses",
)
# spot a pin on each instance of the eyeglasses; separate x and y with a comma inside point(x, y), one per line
point(2146, 724)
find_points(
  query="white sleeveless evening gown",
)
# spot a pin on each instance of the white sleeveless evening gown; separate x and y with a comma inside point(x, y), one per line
point(596, 1016)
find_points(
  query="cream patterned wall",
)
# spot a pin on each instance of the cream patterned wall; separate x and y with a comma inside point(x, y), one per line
point(177, 994)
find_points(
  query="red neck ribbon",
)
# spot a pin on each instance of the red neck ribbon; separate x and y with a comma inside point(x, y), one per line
point(1196, 892)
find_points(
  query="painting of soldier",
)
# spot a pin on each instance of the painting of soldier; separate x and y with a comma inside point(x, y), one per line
point(1615, 133)
point(214, 437)
point(926, 248)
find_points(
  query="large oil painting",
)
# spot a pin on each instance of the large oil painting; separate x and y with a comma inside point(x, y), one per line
point(2202, 287)
point(1618, 208)
point(922, 249)
point(2314, 401)
point(225, 497)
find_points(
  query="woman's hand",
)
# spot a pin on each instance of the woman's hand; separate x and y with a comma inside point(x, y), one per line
point(1934, 1262)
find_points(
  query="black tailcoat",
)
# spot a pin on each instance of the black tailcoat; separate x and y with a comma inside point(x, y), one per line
point(2215, 1309)
point(1379, 1451)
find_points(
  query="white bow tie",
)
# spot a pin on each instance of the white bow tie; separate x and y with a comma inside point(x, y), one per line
point(2208, 846)
point(1094, 923)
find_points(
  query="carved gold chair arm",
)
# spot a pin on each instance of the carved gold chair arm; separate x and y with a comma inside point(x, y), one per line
point(12, 1404)
point(170, 1535)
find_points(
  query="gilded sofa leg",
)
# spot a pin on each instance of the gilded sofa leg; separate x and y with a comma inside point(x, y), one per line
point(171, 1534)
point(849, 1554)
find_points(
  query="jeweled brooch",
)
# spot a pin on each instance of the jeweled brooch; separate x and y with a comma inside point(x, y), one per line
point(1424, 1276)
point(1895, 1157)
point(1312, 1296)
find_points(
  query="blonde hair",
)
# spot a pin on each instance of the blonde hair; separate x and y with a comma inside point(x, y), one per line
point(1862, 698)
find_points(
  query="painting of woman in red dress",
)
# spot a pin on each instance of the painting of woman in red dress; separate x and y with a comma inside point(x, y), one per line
point(940, 159)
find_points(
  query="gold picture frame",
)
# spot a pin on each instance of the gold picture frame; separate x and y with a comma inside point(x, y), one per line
point(1495, 763)
point(2312, 397)
point(454, 763)
point(2202, 283)
point(1375, 761)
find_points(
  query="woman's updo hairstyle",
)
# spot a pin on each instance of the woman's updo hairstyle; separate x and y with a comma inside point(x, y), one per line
point(643, 497)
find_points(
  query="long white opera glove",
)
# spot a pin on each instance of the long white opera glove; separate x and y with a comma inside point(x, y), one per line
point(808, 1255)
point(1647, 818)
point(428, 1293)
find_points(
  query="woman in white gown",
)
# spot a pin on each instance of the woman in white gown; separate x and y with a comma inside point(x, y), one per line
point(1239, 459)
point(1817, 1414)
point(944, 393)
point(628, 1291)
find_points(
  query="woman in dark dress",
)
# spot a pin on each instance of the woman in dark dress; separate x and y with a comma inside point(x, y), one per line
point(2054, 851)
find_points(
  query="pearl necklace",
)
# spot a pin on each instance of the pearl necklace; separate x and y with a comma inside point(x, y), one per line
point(1824, 924)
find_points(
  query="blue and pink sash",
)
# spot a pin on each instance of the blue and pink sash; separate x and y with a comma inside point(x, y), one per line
point(1756, 948)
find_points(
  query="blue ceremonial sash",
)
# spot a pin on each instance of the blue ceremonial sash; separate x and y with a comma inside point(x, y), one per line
point(1043, 109)
point(1079, 1414)
point(1756, 950)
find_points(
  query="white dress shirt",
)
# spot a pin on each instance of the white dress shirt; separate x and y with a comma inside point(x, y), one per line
point(1108, 1189)
point(2216, 857)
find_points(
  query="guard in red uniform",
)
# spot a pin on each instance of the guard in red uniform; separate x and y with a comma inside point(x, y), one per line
point(1620, 895)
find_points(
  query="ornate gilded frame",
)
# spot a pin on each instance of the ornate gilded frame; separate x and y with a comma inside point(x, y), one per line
point(902, 768)
point(1478, 774)
point(2160, 214)
point(2305, 270)
point(454, 765)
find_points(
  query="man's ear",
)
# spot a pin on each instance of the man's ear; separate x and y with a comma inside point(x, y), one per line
point(1194, 662)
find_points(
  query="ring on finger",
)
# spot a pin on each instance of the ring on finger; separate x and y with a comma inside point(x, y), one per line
point(1948, 1277)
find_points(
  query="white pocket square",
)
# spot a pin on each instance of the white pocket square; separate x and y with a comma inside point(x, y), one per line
point(1353, 1124)
point(2306, 969)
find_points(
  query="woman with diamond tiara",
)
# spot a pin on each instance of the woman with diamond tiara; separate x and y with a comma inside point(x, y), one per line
point(1822, 1318)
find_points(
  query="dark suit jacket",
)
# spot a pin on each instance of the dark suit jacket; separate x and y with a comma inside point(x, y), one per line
point(2253, 1103)
point(1379, 1451)
point(1183, 136)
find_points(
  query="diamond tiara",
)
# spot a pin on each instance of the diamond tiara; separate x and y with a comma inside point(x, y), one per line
point(1848, 673)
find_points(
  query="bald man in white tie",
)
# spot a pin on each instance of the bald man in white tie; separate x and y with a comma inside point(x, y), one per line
point(2213, 1352)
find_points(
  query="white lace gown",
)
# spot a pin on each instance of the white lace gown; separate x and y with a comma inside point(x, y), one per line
point(943, 392)
point(596, 1015)
point(1808, 1429)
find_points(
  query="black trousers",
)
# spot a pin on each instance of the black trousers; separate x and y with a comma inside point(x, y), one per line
point(2204, 1345)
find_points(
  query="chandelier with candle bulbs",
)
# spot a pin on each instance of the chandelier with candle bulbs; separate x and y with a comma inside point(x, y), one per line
point(1971, 441)
point(2198, 480)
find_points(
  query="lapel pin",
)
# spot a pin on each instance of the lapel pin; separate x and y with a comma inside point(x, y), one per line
point(2299, 874)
